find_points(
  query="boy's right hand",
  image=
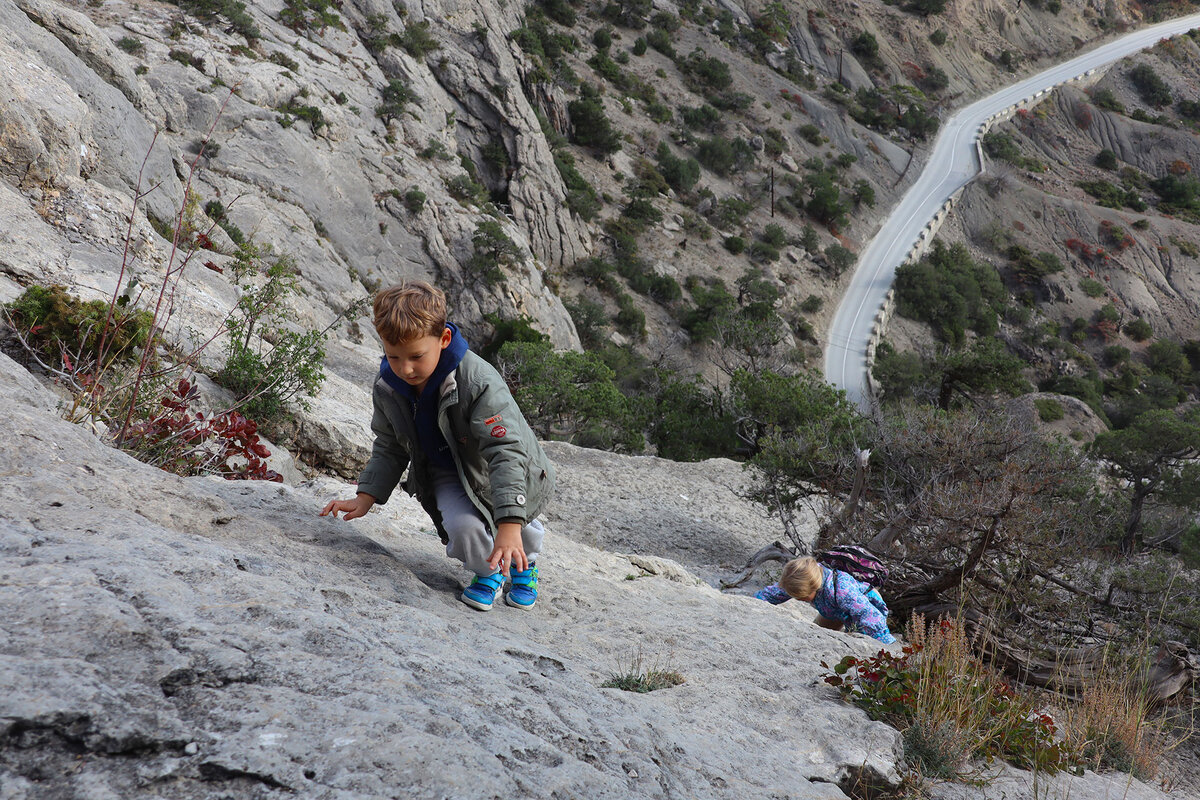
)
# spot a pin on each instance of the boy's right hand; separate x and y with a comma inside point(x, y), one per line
point(351, 509)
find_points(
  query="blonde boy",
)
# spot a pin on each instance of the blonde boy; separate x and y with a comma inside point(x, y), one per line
point(473, 462)
point(840, 598)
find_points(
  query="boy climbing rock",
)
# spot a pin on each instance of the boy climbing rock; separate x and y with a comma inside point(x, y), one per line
point(473, 462)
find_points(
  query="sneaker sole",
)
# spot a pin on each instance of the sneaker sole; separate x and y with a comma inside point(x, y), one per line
point(476, 604)
point(509, 601)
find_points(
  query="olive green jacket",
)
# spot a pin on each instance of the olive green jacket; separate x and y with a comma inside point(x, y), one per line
point(500, 463)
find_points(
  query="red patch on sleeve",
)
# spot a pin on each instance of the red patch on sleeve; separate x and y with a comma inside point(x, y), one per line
point(499, 431)
point(493, 420)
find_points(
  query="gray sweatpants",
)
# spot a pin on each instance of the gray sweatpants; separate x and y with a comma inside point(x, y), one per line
point(471, 539)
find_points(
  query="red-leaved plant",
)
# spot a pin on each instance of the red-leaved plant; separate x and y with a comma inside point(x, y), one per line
point(186, 443)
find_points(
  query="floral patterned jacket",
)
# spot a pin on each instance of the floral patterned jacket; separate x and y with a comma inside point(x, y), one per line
point(845, 599)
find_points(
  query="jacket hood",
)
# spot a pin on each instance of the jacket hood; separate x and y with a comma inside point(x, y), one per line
point(451, 356)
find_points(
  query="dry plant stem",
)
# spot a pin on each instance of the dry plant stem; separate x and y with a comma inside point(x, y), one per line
point(173, 271)
point(138, 194)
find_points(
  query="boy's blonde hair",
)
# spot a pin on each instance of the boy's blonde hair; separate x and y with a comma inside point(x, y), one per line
point(409, 311)
point(801, 577)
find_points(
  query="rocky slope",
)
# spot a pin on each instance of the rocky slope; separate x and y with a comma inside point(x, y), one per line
point(198, 638)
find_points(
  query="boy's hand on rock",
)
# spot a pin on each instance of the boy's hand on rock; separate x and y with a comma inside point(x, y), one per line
point(351, 509)
point(508, 553)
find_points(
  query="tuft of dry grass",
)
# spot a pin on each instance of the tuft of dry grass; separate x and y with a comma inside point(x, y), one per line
point(964, 708)
point(1111, 725)
point(636, 675)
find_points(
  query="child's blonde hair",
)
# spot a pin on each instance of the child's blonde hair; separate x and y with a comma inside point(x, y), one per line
point(409, 311)
point(801, 577)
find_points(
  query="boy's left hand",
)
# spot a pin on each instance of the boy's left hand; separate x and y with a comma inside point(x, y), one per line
point(508, 552)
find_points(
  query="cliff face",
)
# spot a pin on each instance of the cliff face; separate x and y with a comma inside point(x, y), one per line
point(372, 142)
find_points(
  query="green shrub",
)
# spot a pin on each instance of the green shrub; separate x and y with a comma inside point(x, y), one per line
point(723, 156)
point(865, 46)
point(294, 109)
point(64, 329)
point(518, 329)
point(704, 117)
point(1115, 355)
point(999, 144)
point(707, 72)
point(630, 319)
point(1150, 86)
point(414, 200)
point(417, 41)
point(234, 12)
point(1138, 329)
point(935, 80)
point(811, 304)
point(729, 212)
point(811, 134)
point(925, 8)
point(863, 193)
point(680, 173)
point(589, 319)
point(1091, 287)
point(660, 40)
point(131, 45)
point(396, 95)
point(560, 11)
point(493, 249)
point(569, 394)
point(599, 273)
point(264, 375)
point(306, 15)
point(591, 127)
point(1049, 409)
point(762, 251)
point(938, 37)
point(1111, 196)
point(1106, 159)
point(581, 197)
point(735, 244)
point(1104, 98)
point(951, 292)
point(839, 258)
point(824, 200)
point(642, 212)
point(186, 58)
point(1189, 547)
point(465, 190)
point(774, 235)
point(1190, 249)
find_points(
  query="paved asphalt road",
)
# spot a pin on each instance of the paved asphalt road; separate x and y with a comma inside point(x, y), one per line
point(952, 163)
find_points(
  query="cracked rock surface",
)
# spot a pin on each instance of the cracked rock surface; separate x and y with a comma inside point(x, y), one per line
point(163, 637)
point(196, 638)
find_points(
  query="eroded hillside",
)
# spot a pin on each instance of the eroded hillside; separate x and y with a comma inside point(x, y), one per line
point(1089, 211)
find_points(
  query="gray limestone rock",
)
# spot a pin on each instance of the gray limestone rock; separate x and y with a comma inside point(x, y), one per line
point(113, 146)
point(223, 637)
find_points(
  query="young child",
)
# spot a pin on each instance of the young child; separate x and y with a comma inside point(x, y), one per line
point(473, 462)
point(840, 598)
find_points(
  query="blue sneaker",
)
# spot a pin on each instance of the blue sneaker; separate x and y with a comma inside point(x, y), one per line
point(523, 592)
point(481, 594)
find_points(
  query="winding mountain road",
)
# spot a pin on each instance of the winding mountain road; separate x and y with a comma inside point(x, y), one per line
point(952, 163)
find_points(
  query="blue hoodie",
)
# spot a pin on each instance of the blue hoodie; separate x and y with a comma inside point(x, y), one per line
point(425, 407)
